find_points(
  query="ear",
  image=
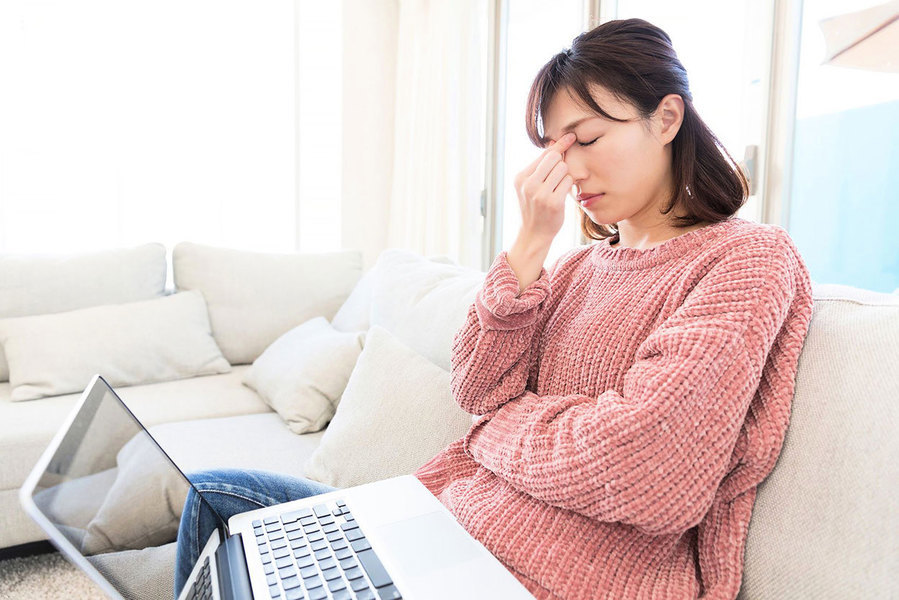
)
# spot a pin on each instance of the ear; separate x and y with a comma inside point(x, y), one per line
point(670, 115)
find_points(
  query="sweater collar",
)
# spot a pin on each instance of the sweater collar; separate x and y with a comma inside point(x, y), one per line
point(623, 258)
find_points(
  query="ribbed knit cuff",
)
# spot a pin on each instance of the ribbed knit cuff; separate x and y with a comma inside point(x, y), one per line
point(498, 304)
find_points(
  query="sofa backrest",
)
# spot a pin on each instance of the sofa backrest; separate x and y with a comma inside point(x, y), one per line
point(38, 284)
point(255, 297)
point(826, 520)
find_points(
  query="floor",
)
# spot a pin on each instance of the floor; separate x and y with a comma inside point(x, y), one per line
point(46, 576)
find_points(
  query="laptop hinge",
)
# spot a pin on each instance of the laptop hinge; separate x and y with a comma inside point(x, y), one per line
point(234, 577)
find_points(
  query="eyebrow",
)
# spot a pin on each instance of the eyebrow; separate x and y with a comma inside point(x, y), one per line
point(572, 125)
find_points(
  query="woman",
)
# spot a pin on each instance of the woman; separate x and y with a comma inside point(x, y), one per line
point(633, 397)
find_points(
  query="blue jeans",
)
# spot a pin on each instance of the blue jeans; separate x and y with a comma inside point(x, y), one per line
point(230, 492)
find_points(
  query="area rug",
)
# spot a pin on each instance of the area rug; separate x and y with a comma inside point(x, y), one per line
point(45, 576)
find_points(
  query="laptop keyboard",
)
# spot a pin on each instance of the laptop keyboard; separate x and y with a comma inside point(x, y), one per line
point(321, 552)
point(202, 586)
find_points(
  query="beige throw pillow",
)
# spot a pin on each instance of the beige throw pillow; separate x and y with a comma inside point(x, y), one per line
point(396, 413)
point(302, 375)
point(128, 344)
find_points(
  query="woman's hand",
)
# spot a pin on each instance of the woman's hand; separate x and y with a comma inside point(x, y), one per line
point(541, 189)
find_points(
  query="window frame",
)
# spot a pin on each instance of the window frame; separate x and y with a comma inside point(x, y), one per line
point(772, 173)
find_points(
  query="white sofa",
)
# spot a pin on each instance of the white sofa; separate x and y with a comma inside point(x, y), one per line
point(825, 520)
point(33, 287)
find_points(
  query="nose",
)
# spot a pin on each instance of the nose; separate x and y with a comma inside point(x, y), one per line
point(577, 166)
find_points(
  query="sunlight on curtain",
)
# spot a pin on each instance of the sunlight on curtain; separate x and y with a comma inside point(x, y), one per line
point(320, 94)
point(438, 147)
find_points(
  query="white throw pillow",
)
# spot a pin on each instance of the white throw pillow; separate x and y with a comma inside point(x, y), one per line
point(423, 302)
point(128, 344)
point(37, 284)
point(396, 413)
point(355, 313)
point(255, 297)
point(304, 372)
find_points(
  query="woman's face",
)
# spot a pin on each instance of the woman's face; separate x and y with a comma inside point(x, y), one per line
point(628, 163)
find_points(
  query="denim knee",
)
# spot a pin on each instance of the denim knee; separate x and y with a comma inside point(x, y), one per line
point(225, 493)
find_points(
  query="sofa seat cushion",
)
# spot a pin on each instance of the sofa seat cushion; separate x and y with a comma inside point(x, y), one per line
point(259, 441)
point(26, 428)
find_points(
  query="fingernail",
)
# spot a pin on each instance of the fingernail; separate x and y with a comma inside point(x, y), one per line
point(570, 136)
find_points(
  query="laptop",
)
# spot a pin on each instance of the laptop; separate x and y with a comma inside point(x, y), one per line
point(110, 499)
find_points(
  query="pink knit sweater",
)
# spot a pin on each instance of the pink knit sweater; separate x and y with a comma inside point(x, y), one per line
point(632, 401)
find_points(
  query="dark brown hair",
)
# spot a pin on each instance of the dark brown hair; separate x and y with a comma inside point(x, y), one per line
point(635, 61)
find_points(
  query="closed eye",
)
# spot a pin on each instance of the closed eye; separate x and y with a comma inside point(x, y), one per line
point(586, 143)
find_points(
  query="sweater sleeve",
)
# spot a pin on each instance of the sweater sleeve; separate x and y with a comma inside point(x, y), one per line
point(493, 350)
point(653, 456)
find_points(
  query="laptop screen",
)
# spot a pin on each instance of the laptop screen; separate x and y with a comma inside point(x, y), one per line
point(113, 493)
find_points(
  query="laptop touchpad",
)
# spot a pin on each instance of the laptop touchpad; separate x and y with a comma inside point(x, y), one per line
point(427, 542)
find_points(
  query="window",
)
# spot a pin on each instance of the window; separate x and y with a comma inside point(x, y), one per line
point(128, 122)
point(536, 31)
point(727, 83)
point(843, 209)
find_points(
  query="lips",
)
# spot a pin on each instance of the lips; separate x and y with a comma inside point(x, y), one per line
point(587, 199)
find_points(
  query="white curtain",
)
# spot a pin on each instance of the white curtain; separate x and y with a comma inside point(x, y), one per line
point(434, 205)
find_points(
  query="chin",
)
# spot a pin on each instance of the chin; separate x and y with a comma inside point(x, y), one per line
point(598, 219)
